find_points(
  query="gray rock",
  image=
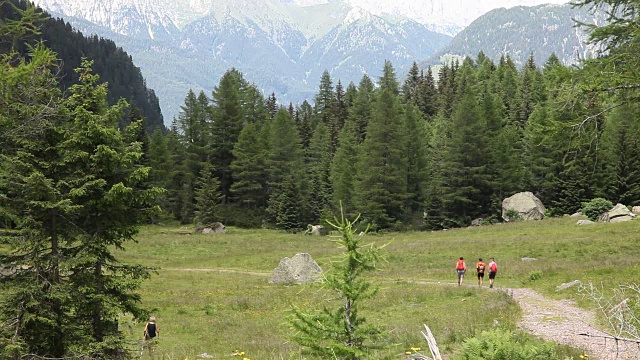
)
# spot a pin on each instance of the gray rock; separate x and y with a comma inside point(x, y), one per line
point(636, 210)
point(617, 211)
point(618, 219)
point(526, 204)
point(578, 214)
point(215, 228)
point(205, 356)
point(301, 268)
point(528, 259)
point(568, 285)
point(476, 222)
point(584, 222)
point(316, 230)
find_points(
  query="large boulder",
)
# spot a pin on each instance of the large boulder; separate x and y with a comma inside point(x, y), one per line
point(524, 203)
point(618, 213)
point(299, 269)
point(215, 228)
point(636, 210)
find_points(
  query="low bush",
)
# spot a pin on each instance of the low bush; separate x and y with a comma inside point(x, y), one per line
point(595, 207)
point(503, 345)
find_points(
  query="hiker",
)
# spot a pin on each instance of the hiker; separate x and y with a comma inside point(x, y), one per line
point(151, 332)
point(480, 266)
point(493, 269)
point(461, 268)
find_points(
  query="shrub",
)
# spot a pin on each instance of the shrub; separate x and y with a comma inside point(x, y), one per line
point(512, 215)
point(535, 275)
point(502, 345)
point(595, 207)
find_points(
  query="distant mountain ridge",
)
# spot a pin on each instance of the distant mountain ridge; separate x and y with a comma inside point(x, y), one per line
point(281, 47)
point(524, 31)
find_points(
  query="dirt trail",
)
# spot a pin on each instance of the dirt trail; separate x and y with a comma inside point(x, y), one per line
point(553, 320)
point(563, 322)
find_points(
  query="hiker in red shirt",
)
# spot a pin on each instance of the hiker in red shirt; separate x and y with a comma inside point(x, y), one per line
point(493, 269)
point(461, 268)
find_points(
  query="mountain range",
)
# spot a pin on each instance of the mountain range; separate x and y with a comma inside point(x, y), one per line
point(521, 32)
point(282, 46)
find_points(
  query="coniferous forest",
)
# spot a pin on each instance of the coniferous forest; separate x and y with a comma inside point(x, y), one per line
point(79, 173)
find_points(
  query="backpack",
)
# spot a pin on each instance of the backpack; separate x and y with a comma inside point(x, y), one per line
point(481, 268)
point(460, 265)
point(494, 267)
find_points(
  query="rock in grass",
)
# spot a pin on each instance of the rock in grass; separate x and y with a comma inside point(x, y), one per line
point(568, 285)
point(299, 269)
point(584, 222)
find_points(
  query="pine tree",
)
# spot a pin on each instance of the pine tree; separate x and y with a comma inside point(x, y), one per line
point(324, 101)
point(338, 117)
point(33, 206)
point(382, 172)
point(226, 123)
point(343, 170)
point(342, 333)
point(318, 168)
point(416, 161)
point(286, 175)
point(249, 168)
point(468, 179)
point(360, 113)
point(620, 143)
point(111, 199)
point(208, 198)
point(426, 95)
point(410, 88)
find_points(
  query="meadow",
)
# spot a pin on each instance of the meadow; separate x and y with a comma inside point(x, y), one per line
point(211, 293)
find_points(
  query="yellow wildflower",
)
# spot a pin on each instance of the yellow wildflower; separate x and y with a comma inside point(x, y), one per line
point(415, 349)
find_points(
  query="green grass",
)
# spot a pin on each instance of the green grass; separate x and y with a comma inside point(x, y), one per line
point(218, 312)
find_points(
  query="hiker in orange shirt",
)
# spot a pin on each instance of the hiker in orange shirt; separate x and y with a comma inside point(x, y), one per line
point(480, 266)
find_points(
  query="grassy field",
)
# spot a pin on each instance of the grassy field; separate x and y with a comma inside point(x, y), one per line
point(211, 294)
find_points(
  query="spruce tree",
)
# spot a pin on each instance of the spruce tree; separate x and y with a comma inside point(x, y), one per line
point(227, 120)
point(208, 198)
point(382, 170)
point(108, 190)
point(33, 208)
point(318, 168)
point(249, 168)
point(285, 172)
point(343, 170)
point(416, 159)
point(360, 113)
point(468, 179)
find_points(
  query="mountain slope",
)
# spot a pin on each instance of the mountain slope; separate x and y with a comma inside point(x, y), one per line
point(71, 46)
point(522, 31)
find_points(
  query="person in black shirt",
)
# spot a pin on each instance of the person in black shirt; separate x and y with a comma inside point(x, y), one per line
point(151, 332)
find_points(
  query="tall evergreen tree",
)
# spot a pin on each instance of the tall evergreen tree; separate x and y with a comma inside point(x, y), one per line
point(286, 175)
point(416, 160)
point(466, 171)
point(382, 174)
point(343, 170)
point(360, 113)
point(33, 205)
point(208, 198)
point(318, 168)
point(249, 167)
point(107, 187)
point(227, 120)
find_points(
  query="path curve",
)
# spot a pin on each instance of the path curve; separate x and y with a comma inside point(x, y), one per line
point(563, 322)
point(553, 320)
